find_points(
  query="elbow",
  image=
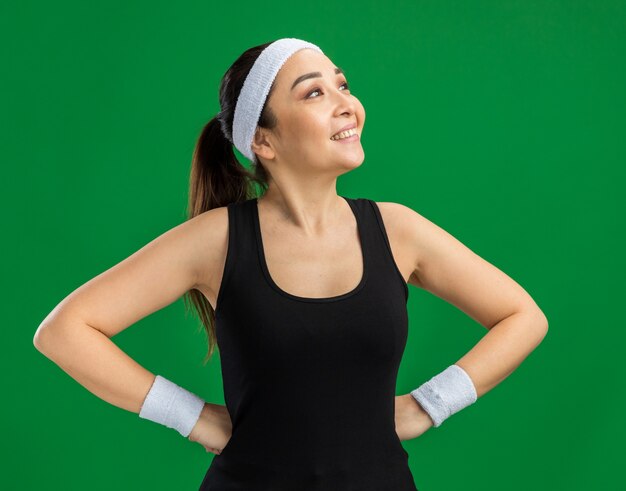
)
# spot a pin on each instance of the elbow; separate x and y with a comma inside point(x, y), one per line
point(533, 322)
point(535, 318)
point(50, 338)
point(541, 324)
point(41, 339)
point(542, 321)
point(53, 331)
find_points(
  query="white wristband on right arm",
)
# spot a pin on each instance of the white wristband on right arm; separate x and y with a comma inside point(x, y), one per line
point(172, 406)
point(446, 394)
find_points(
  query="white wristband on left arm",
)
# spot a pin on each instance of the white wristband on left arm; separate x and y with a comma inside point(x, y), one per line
point(446, 394)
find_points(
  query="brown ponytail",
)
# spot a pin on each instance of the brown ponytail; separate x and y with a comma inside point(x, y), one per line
point(217, 177)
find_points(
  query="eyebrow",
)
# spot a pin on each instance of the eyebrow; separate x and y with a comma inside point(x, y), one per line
point(306, 76)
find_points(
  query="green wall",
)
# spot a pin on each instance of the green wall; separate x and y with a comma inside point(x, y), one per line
point(502, 122)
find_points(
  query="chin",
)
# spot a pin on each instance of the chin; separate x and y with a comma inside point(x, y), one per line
point(352, 163)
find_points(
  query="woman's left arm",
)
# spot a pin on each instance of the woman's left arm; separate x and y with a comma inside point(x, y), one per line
point(448, 269)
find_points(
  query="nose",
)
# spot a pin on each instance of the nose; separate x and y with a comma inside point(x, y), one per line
point(345, 103)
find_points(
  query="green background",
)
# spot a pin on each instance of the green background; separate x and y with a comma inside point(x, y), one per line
point(502, 122)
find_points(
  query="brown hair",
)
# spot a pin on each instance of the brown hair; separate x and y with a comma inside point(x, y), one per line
point(217, 178)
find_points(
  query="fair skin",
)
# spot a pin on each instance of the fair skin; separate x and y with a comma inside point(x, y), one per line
point(301, 216)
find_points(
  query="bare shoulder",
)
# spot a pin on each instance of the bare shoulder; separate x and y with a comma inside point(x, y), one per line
point(394, 213)
point(395, 218)
point(451, 270)
point(415, 231)
point(425, 242)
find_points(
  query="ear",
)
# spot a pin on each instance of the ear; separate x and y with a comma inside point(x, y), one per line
point(261, 144)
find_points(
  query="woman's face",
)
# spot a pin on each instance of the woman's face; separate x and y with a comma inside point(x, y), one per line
point(310, 112)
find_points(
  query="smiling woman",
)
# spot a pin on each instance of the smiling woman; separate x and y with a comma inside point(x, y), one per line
point(303, 290)
point(296, 355)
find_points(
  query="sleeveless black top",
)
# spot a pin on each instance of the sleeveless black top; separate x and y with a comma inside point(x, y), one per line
point(309, 383)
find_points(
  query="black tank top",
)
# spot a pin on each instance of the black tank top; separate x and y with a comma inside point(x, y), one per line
point(309, 383)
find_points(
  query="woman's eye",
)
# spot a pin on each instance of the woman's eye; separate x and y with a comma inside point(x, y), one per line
point(318, 90)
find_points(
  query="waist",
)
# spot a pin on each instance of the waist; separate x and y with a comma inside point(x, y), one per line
point(352, 471)
point(285, 446)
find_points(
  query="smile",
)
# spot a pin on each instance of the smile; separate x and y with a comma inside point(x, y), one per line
point(345, 135)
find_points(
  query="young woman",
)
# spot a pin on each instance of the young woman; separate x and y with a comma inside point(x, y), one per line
point(303, 290)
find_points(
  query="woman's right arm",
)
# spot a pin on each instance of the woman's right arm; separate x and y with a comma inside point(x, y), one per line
point(77, 333)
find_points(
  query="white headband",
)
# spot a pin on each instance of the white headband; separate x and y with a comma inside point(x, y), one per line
point(256, 87)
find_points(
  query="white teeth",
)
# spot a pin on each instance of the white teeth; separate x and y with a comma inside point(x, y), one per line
point(344, 134)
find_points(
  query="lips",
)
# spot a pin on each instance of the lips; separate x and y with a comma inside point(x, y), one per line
point(345, 128)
